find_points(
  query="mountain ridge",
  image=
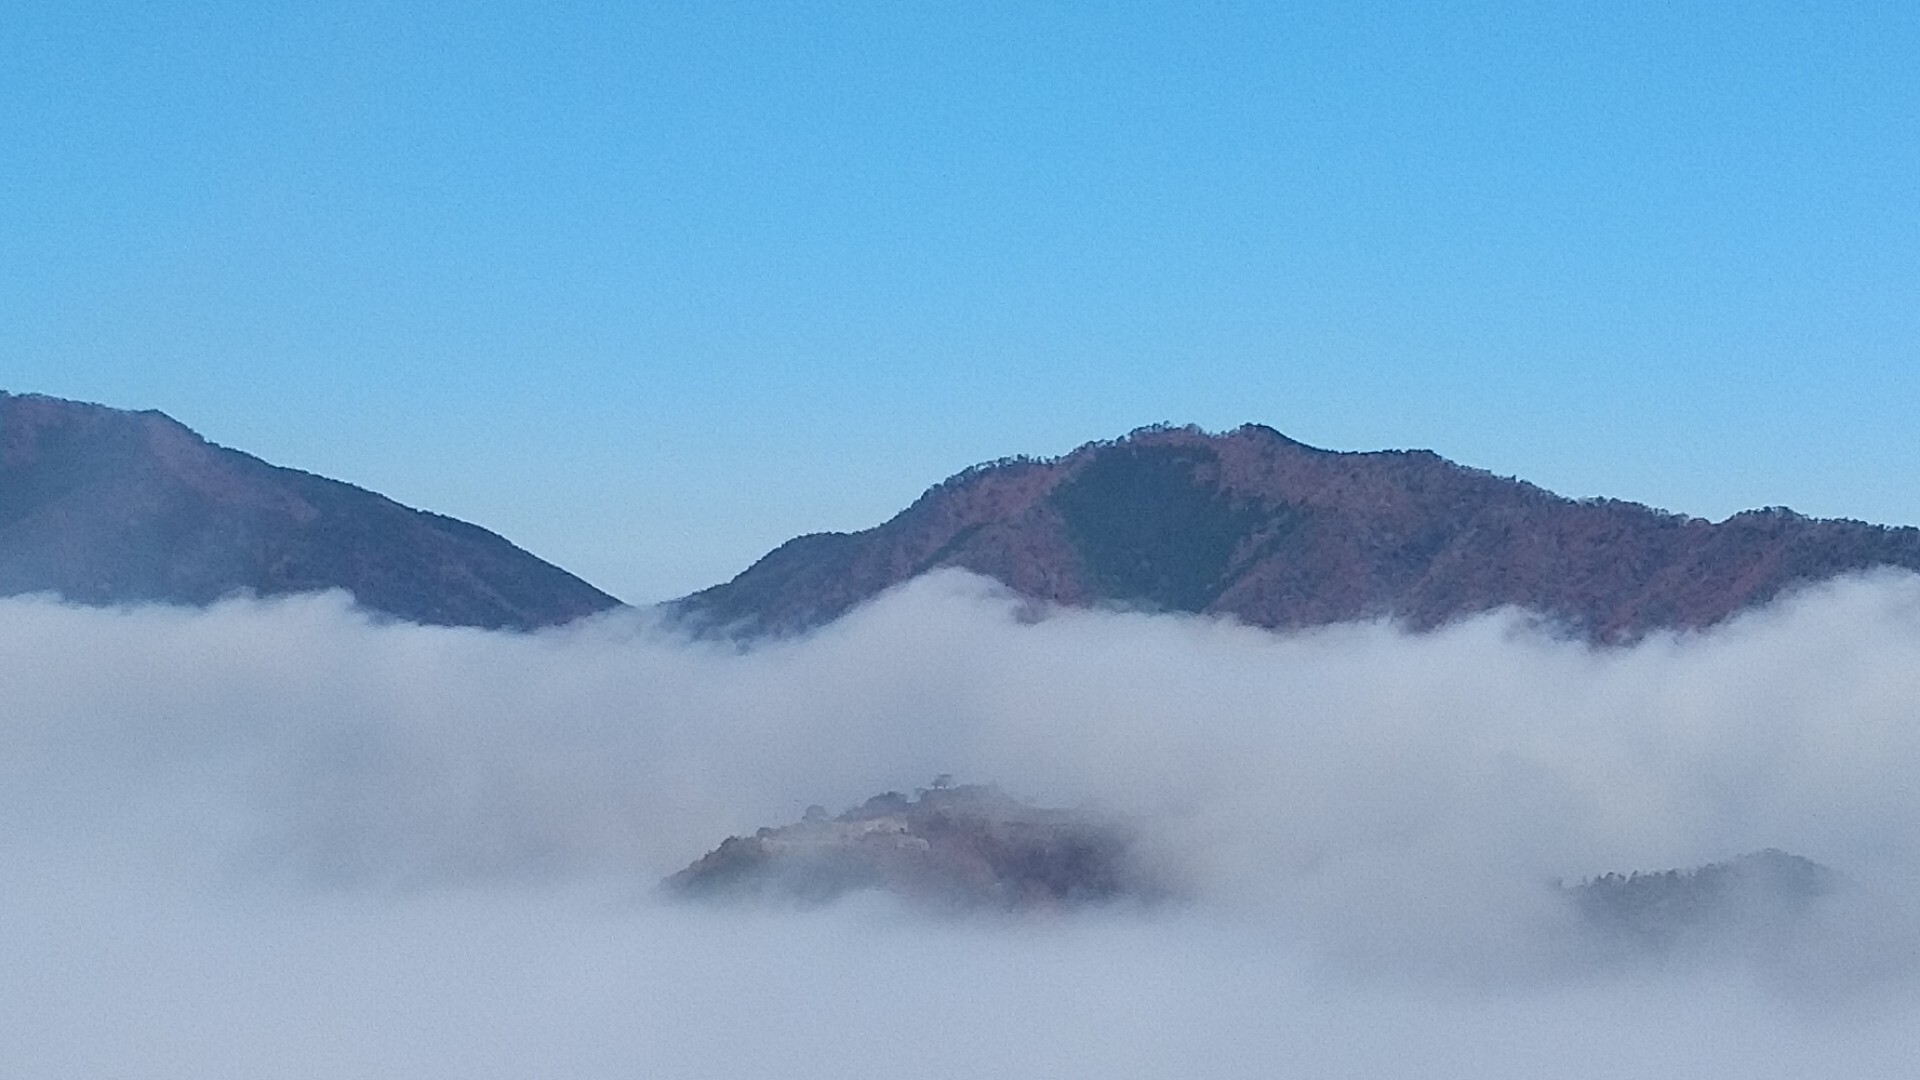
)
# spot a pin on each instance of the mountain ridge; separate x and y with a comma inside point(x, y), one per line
point(108, 506)
point(1277, 533)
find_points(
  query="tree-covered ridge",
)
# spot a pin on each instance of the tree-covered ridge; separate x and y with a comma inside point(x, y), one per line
point(1256, 526)
point(1751, 899)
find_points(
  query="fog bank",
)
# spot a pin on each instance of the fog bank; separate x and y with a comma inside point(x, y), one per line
point(278, 839)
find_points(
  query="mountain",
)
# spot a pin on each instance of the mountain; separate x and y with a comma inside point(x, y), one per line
point(104, 506)
point(1279, 534)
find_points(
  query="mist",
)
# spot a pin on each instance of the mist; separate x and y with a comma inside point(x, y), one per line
point(283, 839)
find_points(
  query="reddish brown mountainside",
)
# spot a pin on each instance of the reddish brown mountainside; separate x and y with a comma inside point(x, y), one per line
point(102, 506)
point(1279, 534)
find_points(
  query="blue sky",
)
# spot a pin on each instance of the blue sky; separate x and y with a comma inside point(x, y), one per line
point(651, 288)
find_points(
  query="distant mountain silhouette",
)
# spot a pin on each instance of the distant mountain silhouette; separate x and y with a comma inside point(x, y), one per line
point(104, 506)
point(1279, 534)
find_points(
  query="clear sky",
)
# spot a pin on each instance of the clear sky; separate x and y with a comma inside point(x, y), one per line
point(652, 287)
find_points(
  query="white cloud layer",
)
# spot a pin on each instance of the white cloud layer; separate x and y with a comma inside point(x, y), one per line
point(273, 839)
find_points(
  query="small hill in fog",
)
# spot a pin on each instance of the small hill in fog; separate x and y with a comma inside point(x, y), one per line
point(103, 506)
point(1275, 533)
point(1757, 900)
point(963, 847)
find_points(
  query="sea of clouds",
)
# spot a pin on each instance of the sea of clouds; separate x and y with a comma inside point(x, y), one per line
point(280, 839)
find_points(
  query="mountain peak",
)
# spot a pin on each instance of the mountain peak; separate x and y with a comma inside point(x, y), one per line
point(109, 506)
point(1254, 525)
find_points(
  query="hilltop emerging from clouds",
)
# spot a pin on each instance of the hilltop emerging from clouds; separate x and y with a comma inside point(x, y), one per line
point(105, 506)
point(1275, 533)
